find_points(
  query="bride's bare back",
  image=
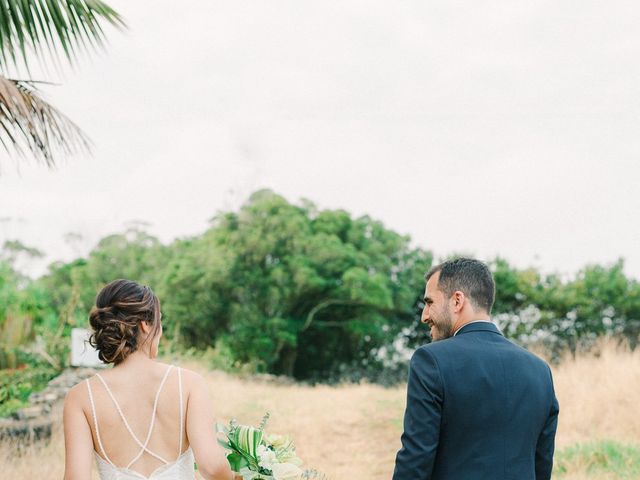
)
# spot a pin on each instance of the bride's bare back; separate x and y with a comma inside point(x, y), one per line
point(135, 390)
point(138, 395)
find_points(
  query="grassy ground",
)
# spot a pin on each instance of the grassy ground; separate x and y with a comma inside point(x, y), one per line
point(353, 431)
point(603, 460)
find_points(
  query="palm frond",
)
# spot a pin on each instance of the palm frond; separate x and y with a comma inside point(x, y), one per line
point(35, 25)
point(29, 123)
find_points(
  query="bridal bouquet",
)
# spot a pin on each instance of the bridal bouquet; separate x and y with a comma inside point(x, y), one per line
point(255, 455)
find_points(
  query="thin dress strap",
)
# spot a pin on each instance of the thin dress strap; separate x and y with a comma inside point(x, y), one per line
point(126, 424)
point(181, 414)
point(95, 423)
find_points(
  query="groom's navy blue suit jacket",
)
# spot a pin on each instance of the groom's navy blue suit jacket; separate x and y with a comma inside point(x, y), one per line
point(479, 407)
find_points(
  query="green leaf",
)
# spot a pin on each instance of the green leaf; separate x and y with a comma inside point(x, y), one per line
point(224, 444)
point(237, 461)
point(72, 25)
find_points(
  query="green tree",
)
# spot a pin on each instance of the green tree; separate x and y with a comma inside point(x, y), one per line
point(133, 254)
point(304, 291)
point(316, 294)
point(194, 292)
point(567, 313)
point(600, 300)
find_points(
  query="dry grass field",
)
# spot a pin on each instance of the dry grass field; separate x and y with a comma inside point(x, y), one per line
point(352, 431)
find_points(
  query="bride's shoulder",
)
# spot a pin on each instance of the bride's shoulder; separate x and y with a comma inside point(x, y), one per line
point(192, 380)
point(189, 375)
point(76, 396)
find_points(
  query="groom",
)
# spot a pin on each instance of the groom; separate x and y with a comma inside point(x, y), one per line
point(478, 406)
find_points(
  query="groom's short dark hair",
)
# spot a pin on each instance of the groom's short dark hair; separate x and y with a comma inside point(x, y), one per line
point(470, 276)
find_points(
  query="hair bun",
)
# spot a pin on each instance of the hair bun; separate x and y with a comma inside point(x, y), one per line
point(115, 319)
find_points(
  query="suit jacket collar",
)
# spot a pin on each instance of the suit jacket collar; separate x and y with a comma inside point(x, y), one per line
point(479, 327)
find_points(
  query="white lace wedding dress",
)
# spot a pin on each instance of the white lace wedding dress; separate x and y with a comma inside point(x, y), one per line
point(182, 468)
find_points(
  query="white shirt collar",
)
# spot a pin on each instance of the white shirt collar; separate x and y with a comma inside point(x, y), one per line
point(474, 321)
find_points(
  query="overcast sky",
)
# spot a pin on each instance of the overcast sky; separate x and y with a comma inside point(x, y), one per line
point(506, 128)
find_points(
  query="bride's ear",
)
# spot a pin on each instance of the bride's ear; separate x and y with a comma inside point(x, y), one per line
point(146, 328)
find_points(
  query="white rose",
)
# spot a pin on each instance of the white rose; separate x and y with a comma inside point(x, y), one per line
point(266, 456)
point(285, 471)
point(277, 441)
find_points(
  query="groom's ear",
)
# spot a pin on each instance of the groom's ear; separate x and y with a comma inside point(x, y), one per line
point(458, 300)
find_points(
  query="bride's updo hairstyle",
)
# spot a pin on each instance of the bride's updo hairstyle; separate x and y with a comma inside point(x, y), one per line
point(120, 307)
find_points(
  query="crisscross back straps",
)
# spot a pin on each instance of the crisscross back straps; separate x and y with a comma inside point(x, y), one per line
point(153, 417)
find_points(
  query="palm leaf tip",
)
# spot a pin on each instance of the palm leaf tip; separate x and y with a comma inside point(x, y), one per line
point(30, 123)
point(34, 25)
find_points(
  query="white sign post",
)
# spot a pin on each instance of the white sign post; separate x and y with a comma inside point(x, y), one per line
point(82, 353)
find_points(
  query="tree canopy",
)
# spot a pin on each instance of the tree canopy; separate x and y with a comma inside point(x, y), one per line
point(315, 294)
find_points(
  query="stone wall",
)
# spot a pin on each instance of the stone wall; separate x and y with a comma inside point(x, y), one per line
point(34, 422)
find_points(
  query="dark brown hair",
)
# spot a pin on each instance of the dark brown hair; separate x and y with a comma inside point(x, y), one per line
point(469, 276)
point(115, 318)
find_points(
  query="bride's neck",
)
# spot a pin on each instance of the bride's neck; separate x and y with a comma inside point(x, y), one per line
point(137, 360)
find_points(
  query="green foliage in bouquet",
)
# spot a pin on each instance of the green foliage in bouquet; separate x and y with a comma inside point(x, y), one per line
point(243, 441)
point(255, 455)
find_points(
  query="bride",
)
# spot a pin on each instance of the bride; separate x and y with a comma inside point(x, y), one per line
point(141, 419)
